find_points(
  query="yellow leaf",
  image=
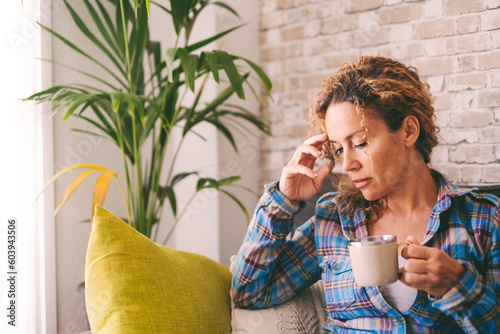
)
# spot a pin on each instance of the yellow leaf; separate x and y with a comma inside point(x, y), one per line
point(72, 187)
point(69, 169)
point(100, 190)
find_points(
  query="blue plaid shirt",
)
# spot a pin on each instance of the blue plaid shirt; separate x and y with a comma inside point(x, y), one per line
point(271, 267)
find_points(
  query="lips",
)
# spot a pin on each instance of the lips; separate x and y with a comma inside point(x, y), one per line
point(360, 183)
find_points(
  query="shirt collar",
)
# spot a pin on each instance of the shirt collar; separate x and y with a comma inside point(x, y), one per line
point(354, 224)
point(447, 191)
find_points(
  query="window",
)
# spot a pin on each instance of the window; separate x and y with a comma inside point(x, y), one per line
point(25, 146)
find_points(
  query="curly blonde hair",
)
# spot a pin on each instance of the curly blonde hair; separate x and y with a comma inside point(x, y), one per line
point(382, 88)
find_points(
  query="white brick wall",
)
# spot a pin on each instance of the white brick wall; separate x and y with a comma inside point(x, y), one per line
point(455, 45)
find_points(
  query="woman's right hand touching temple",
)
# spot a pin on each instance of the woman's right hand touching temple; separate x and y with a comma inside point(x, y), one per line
point(299, 182)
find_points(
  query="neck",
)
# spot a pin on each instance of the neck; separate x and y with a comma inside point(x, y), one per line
point(407, 210)
point(417, 192)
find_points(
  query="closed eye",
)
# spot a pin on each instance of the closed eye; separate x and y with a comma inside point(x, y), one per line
point(333, 149)
point(361, 145)
point(338, 151)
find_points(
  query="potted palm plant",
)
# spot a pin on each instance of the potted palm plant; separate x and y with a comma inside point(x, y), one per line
point(145, 100)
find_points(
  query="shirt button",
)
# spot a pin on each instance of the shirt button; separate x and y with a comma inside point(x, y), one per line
point(336, 267)
point(421, 301)
point(397, 321)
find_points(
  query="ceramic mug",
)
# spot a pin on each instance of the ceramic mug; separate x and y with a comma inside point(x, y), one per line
point(374, 259)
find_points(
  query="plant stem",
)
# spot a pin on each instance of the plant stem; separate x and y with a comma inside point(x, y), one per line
point(152, 186)
point(126, 204)
point(139, 200)
point(130, 193)
point(177, 219)
point(174, 159)
point(157, 209)
point(140, 192)
point(155, 173)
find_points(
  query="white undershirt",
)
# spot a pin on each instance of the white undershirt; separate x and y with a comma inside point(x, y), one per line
point(397, 294)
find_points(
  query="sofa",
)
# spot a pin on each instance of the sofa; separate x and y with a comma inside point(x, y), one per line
point(133, 285)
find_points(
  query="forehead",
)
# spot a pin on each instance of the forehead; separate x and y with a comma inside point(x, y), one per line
point(342, 121)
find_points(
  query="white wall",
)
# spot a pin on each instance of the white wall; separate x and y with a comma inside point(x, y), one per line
point(73, 148)
point(233, 223)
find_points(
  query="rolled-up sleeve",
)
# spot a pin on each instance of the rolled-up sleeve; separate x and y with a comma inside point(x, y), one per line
point(271, 266)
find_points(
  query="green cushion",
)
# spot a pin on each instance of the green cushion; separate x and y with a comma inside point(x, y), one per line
point(133, 285)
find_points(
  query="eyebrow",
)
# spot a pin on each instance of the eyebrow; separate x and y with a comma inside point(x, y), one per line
point(348, 137)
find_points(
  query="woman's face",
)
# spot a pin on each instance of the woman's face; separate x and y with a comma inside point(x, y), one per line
point(374, 158)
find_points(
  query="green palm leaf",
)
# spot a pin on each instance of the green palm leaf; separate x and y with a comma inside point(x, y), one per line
point(213, 64)
point(102, 28)
point(262, 75)
point(83, 53)
point(113, 32)
point(109, 85)
point(78, 99)
point(172, 199)
point(138, 42)
point(180, 10)
point(225, 131)
point(86, 31)
point(162, 7)
point(232, 73)
point(189, 65)
point(225, 6)
point(237, 201)
point(200, 44)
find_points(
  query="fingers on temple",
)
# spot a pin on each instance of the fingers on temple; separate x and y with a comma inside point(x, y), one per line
point(307, 152)
point(299, 169)
point(310, 149)
point(317, 140)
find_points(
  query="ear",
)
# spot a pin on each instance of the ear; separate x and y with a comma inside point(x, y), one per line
point(411, 127)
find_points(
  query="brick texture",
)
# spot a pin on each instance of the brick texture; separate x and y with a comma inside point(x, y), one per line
point(455, 45)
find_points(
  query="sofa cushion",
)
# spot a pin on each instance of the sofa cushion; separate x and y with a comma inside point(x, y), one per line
point(133, 285)
point(302, 314)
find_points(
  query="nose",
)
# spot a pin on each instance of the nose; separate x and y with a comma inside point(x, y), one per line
point(350, 161)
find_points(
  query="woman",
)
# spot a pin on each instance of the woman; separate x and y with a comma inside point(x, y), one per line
point(375, 117)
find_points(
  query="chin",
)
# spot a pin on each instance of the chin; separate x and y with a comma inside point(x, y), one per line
point(370, 199)
point(370, 196)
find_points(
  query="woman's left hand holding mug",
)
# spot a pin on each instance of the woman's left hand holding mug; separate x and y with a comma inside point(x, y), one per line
point(429, 269)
